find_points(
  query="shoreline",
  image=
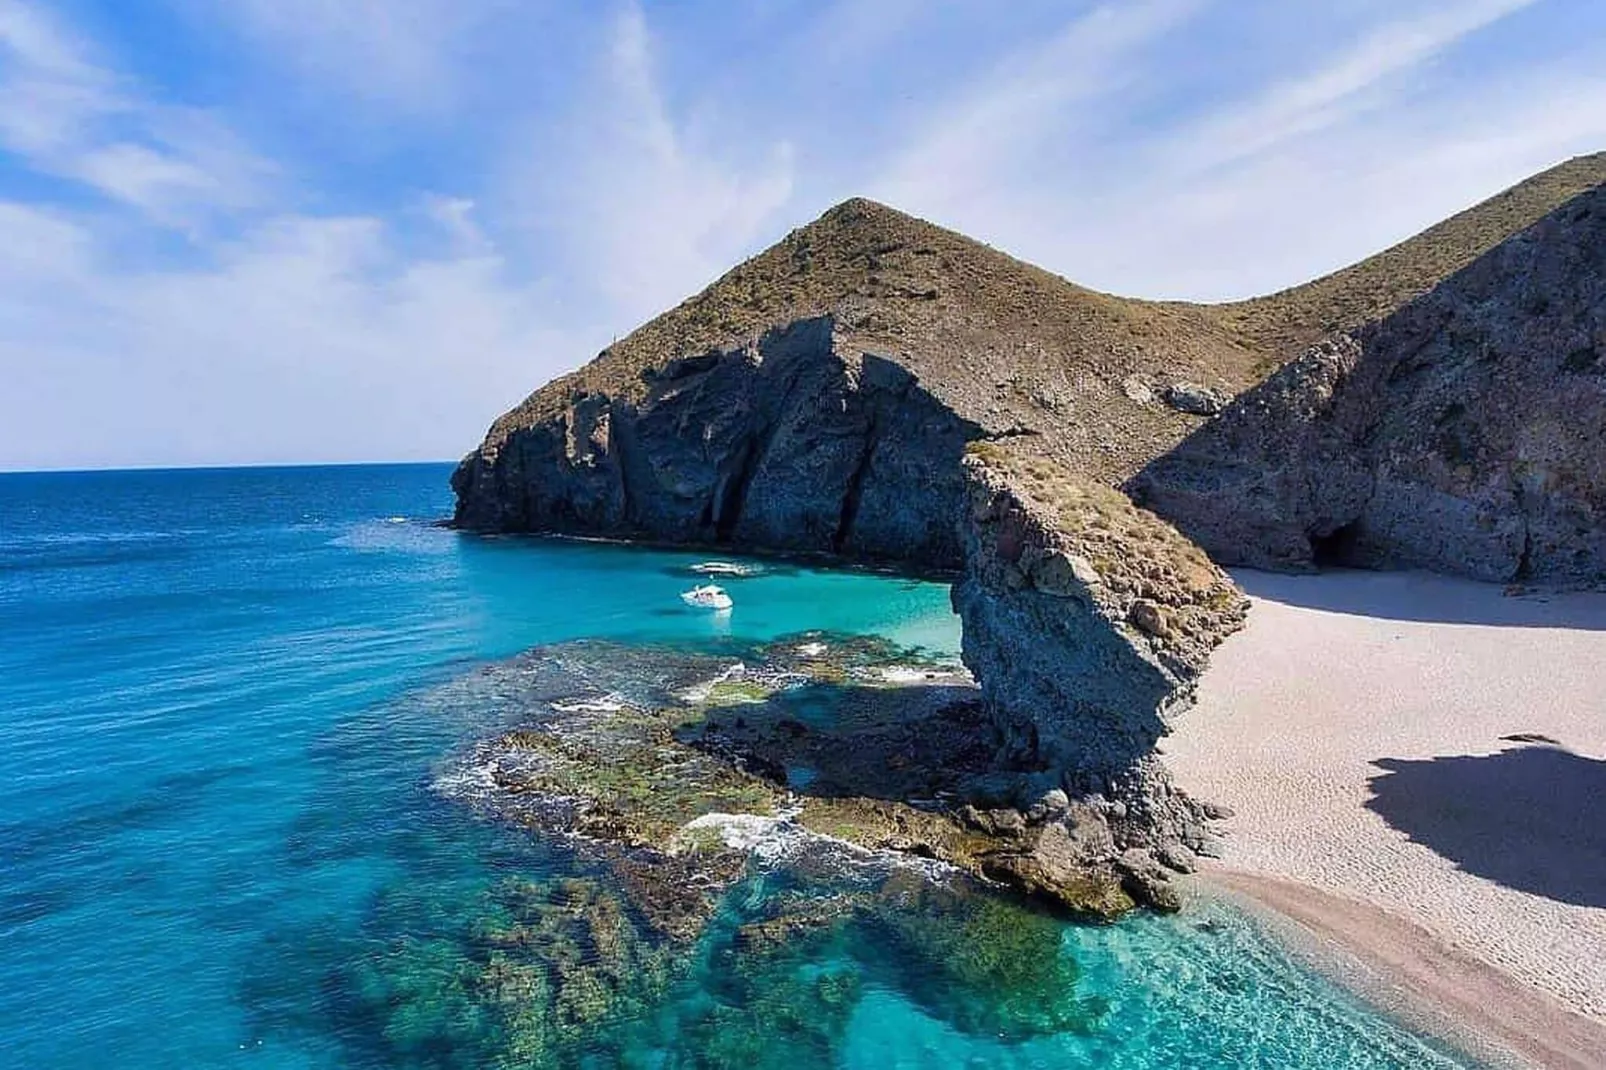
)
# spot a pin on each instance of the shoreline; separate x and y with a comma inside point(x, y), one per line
point(1411, 974)
point(1413, 766)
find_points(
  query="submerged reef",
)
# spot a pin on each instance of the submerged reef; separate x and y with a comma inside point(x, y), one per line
point(563, 972)
point(672, 767)
point(778, 828)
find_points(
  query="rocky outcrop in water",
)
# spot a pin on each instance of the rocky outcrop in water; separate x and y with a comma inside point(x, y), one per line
point(1461, 434)
point(1087, 622)
point(672, 769)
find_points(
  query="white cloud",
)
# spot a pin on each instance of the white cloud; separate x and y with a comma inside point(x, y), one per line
point(306, 339)
point(1280, 217)
point(1229, 197)
point(301, 337)
point(425, 300)
point(1339, 90)
point(455, 216)
point(634, 201)
point(67, 115)
point(975, 141)
point(403, 51)
point(50, 90)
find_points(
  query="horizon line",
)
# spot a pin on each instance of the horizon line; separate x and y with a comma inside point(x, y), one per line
point(223, 467)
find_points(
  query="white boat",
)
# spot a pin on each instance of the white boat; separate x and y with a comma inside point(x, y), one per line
point(707, 597)
point(722, 568)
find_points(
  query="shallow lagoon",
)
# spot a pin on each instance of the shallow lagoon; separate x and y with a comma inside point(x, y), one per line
point(221, 837)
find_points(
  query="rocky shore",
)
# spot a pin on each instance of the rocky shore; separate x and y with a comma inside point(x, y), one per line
point(672, 768)
point(743, 812)
point(1459, 435)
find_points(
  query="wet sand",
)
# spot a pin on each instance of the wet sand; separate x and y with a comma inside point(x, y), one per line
point(1357, 727)
point(1419, 976)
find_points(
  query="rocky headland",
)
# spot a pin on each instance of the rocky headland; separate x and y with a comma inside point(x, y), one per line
point(877, 388)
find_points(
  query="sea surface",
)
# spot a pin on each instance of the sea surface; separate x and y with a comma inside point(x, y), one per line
point(223, 839)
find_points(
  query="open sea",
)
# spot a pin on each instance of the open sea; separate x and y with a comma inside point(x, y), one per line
point(225, 706)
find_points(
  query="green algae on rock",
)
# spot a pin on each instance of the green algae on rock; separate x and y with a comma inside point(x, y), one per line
point(564, 973)
point(839, 747)
point(526, 982)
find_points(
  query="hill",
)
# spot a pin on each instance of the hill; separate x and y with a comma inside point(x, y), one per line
point(1283, 324)
point(819, 396)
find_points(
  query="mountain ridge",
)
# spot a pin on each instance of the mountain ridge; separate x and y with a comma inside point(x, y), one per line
point(1009, 344)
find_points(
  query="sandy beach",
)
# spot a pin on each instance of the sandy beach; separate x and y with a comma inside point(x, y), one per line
point(1417, 767)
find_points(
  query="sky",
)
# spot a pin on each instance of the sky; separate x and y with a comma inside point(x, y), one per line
point(285, 231)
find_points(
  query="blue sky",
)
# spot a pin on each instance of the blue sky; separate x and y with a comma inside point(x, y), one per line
point(245, 231)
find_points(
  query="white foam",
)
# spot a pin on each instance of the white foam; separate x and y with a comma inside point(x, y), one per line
point(773, 840)
point(468, 780)
point(611, 703)
point(700, 692)
point(908, 674)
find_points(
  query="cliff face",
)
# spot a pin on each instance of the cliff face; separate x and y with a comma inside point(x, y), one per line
point(1460, 434)
point(818, 397)
point(1086, 619)
point(796, 442)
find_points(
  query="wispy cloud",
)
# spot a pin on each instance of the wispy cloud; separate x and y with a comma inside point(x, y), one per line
point(273, 325)
point(68, 115)
point(442, 203)
point(1265, 182)
point(1027, 97)
point(306, 338)
point(405, 51)
point(636, 203)
point(1340, 89)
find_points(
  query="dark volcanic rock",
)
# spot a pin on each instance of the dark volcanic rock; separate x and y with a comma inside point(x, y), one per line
point(819, 397)
point(796, 442)
point(1461, 434)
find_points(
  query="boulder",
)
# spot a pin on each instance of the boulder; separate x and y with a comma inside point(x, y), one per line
point(1195, 399)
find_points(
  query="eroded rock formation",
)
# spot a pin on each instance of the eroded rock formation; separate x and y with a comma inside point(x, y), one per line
point(1462, 434)
point(1087, 622)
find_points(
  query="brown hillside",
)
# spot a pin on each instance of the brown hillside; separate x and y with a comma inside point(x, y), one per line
point(1003, 343)
point(1283, 324)
point(819, 395)
point(1013, 347)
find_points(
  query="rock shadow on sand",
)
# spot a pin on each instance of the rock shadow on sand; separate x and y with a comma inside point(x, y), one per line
point(1527, 818)
point(1426, 598)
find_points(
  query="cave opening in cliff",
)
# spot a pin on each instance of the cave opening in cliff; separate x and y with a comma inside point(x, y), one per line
point(1336, 549)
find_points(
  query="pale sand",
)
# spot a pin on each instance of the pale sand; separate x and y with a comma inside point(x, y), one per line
point(1355, 727)
point(1414, 973)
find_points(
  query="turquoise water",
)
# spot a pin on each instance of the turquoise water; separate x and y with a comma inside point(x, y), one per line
point(220, 841)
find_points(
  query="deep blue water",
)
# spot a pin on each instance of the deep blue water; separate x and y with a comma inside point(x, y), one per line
point(220, 842)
